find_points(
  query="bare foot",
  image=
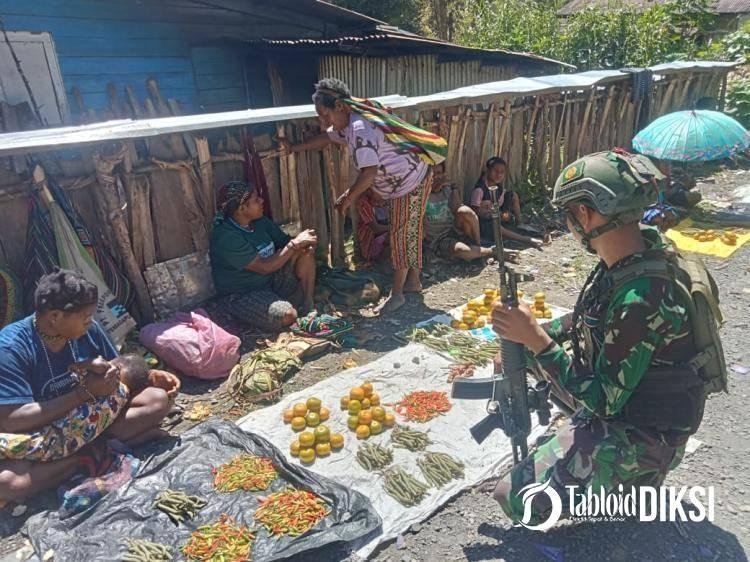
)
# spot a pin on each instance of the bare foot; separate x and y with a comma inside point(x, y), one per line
point(393, 303)
point(413, 287)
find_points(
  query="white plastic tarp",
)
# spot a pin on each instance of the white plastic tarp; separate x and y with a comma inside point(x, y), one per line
point(413, 367)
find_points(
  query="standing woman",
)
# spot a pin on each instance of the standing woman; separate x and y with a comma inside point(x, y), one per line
point(394, 159)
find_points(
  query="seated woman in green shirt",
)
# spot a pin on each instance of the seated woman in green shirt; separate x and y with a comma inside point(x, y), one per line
point(260, 273)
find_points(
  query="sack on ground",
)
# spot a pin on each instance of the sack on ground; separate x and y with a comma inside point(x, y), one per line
point(193, 345)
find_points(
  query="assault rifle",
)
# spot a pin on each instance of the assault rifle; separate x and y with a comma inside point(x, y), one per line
point(510, 400)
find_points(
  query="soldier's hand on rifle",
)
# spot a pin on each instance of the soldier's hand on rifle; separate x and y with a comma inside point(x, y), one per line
point(517, 323)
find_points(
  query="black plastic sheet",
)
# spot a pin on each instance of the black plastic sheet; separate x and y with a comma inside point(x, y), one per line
point(185, 464)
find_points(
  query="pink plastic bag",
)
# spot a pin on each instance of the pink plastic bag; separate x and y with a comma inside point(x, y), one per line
point(192, 344)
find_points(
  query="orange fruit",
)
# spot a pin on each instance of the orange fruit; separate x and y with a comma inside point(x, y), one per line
point(375, 400)
point(324, 413)
point(344, 402)
point(313, 404)
point(354, 407)
point(298, 423)
point(357, 393)
point(337, 441)
point(323, 449)
point(376, 427)
point(312, 419)
point(294, 448)
point(363, 431)
point(389, 420)
point(353, 422)
point(367, 388)
point(299, 410)
point(322, 434)
point(366, 404)
point(378, 413)
point(288, 415)
point(307, 456)
point(306, 439)
point(365, 417)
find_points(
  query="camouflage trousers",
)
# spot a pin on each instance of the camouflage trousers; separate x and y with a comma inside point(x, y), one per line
point(587, 453)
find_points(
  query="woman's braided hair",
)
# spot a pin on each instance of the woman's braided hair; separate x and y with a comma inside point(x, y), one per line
point(328, 90)
point(64, 290)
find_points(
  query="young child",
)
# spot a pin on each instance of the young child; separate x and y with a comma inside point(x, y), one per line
point(53, 442)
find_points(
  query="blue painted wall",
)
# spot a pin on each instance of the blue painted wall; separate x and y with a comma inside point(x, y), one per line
point(103, 41)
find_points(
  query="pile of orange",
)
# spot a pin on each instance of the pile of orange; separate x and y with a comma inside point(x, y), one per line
point(316, 443)
point(306, 414)
point(366, 415)
point(541, 309)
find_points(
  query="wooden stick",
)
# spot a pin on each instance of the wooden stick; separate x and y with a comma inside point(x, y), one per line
point(188, 139)
point(134, 105)
point(337, 242)
point(206, 171)
point(105, 167)
point(585, 121)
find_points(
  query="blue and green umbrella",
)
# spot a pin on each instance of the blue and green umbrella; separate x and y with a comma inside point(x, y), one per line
point(694, 135)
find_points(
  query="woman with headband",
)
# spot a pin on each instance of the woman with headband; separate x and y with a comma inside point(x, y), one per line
point(260, 272)
point(394, 159)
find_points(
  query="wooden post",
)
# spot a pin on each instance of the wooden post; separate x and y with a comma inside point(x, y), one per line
point(206, 170)
point(284, 163)
point(105, 166)
point(491, 114)
point(337, 231)
point(584, 123)
point(138, 189)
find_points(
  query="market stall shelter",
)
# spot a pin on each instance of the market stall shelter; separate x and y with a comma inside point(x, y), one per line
point(146, 187)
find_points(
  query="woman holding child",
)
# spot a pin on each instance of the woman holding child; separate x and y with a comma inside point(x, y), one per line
point(62, 386)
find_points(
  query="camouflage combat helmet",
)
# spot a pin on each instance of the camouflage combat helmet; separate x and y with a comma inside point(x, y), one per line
point(615, 183)
point(612, 182)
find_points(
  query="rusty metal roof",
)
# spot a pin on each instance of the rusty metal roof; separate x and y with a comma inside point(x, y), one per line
point(22, 142)
point(386, 39)
point(720, 6)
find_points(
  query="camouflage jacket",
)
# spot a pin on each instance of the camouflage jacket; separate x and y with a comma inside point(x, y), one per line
point(643, 324)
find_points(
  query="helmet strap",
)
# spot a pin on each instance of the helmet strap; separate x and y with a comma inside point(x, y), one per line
point(616, 222)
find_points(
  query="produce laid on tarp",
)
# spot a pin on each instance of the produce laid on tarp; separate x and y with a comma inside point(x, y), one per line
point(214, 493)
point(411, 469)
point(453, 343)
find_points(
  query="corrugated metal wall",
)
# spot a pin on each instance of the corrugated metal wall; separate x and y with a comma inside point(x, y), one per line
point(411, 75)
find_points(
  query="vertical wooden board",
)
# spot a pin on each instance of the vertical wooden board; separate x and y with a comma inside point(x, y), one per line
point(190, 187)
point(271, 171)
point(13, 224)
point(318, 203)
point(225, 172)
point(516, 173)
point(135, 217)
point(336, 230)
point(171, 229)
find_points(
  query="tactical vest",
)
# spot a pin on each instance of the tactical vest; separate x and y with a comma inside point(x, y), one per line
point(668, 399)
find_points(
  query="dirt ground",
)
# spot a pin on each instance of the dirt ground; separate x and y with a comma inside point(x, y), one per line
point(472, 526)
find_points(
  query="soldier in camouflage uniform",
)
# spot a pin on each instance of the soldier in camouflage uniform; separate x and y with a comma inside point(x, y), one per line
point(616, 339)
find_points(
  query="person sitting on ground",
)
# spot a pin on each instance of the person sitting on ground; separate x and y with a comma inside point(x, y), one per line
point(372, 228)
point(56, 370)
point(509, 202)
point(261, 274)
point(450, 227)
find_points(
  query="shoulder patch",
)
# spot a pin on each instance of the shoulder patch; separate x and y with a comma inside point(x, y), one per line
point(573, 172)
